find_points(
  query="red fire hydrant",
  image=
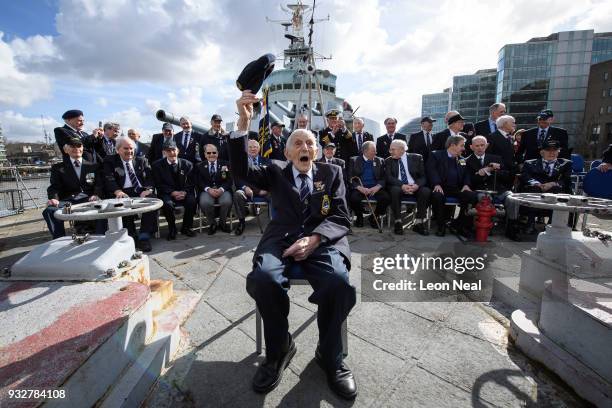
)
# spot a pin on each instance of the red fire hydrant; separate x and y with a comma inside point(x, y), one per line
point(485, 210)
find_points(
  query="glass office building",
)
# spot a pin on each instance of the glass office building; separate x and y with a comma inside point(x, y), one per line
point(436, 105)
point(550, 73)
point(473, 94)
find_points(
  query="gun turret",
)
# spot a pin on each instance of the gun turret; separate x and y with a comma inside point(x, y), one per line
point(290, 113)
point(164, 116)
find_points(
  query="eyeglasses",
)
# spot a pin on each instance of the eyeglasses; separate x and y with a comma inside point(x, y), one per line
point(211, 152)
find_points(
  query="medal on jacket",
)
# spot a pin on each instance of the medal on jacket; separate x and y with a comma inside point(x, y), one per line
point(325, 204)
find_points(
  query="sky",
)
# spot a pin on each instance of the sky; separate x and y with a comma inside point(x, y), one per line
point(121, 60)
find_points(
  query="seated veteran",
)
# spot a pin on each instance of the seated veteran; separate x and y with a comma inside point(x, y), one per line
point(405, 173)
point(329, 152)
point(174, 181)
point(548, 174)
point(245, 192)
point(489, 173)
point(448, 176)
point(367, 180)
point(73, 181)
point(309, 230)
point(128, 176)
point(214, 184)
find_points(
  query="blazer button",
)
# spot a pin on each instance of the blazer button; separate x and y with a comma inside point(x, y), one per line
point(286, 234)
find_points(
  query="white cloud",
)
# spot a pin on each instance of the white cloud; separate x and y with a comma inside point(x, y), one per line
point(19, 128)
point(17, 87)
point(102, 101)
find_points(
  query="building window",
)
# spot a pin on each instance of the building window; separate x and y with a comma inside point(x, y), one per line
point(332, 89)
point(601, 110)
point(610, 92)
point(605, 76)
point(603, 93)
point(596, 130)
point(609, 109)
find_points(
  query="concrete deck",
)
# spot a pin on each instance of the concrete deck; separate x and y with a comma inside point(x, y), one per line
point(433, 354)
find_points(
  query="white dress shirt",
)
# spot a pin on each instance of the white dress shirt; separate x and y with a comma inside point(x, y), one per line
point(404, 160)
point(298, 180)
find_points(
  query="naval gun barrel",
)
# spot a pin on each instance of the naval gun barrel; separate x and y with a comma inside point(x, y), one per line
point(164, 116)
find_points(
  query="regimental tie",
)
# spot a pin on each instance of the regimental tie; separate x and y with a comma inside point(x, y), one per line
point(304, 196)
point(359, 142)
point(185, 139)
point(132, 175)
point(541, 137)
point(403, 174)
point(481, 161)
point(549, 168)
point(212, 170)
point(77, 168)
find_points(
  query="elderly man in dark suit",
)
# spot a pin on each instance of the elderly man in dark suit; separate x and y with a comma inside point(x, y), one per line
point(174, 181)
point(488, 172)
point(534, 138)
point(548, 174)
point(157, 142)
point(352, 146)
point(405, 176)
point(73, 181)
point(500, 142)
point(128, 176)
point(218, 136)
point(448, 176)
point(274, 147)
point(329, 152)
point(189, 141)
point(244, 191)
point(106, 145)
point(384, 142)
point(421, 142)
point(214, 184)
point(366, 174)
point(142, 149)
point(489, 125)
point(455, 123)
point(310, 229)
point(73, 127)
point(328, 134)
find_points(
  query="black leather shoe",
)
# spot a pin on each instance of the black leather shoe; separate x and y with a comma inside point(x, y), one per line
point(144, 245)
point(189, 232)
point(212, 228)
point(398, 228)
point(340, 380)
point(531, 229)
point(240, 227)
point(441, 231)
point(171, 234)
point(359, 222)
point(224, 227)
point(270, 372)
point(420, 229)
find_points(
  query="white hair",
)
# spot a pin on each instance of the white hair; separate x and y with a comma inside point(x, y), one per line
point(401, 143)
point(479, 137)
point(367, 145)
point(502, 120)
point(123, 139)
point(303, 132)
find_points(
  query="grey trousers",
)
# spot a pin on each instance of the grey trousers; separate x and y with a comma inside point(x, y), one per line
point(207, 204)
point(512, 207)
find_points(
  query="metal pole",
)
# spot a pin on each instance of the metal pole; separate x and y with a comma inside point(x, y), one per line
point(18, 179)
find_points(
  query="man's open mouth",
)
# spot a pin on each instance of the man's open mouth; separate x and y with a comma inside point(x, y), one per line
point(304, 158)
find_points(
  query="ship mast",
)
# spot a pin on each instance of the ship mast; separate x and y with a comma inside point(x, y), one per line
point(300, 56)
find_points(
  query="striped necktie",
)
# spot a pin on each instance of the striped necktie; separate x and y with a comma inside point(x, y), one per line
point(132, 175)
point(403, 172)
point(304, 196)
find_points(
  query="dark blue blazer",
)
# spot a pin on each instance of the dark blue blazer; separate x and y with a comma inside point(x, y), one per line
point(332, 223)
point(437, 169)
point(562, 173)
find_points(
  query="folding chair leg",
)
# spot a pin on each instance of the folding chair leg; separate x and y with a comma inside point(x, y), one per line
point(258, 345)
point(345, 338)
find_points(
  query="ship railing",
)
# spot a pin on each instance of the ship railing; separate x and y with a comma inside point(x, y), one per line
point(23, 187)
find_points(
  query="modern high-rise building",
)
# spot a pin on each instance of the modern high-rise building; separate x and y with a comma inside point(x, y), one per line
point(550, 73)
point(436, 105)
point(473, 94)
point(597, 112)
point(3, 160)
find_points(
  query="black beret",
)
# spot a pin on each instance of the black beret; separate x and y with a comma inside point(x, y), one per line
point(73, 113)
point(253, 75)
point(455, 118)
point(169, 144)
